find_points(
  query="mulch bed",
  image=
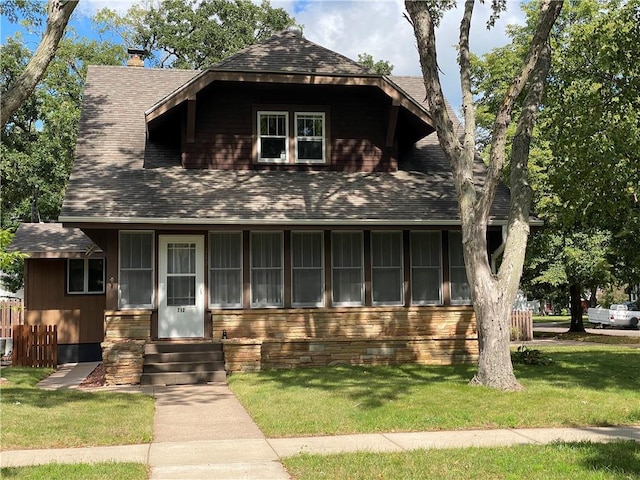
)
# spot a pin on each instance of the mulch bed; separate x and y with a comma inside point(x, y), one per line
point(95, 378)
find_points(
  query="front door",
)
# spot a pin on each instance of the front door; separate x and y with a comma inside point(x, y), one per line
point(181, 286)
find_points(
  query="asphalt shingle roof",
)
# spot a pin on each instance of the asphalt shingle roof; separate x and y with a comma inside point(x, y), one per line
point(120, 177)
point(51, 240)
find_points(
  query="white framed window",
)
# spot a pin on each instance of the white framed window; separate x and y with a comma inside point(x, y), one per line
point(273, 137)
point(307, 269)
point(85, 275)
point(458, 284)
point(387, 277)
point(310, 143)
point(347, 260)
point(136, 269)
point(267, 280)
point(426, 268)
point(225, 270)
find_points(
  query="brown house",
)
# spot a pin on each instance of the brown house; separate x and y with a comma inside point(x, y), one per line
point(286, 200)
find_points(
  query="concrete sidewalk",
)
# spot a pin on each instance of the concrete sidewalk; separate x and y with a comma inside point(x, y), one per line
point(202, 431)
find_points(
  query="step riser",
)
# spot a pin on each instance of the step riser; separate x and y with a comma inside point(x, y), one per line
point(183, 378)
point(197, 357)
point(152, 348)
point(183, 367)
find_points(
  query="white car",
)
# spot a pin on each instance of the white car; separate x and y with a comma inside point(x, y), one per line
point(619, 315)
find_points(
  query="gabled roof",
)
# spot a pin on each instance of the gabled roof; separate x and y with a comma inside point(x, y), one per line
point(119, 177)
point(51, 240)
point(288, 58)
point(289, 51)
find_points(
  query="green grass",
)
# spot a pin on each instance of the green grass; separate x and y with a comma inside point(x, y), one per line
point(589, 337)
point(559, 461)
point(83, 471)
point(36, 418)
point(597, 385)
point(555, 318)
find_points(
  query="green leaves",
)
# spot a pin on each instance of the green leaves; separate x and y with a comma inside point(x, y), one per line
point(194, 34)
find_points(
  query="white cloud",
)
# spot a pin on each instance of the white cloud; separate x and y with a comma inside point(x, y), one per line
point(379, 28)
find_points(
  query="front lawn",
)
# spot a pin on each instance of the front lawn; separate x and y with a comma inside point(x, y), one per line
point(583, 386)
point(560, 461)
point(36, 418)
point(589, 337)
point(82, 471)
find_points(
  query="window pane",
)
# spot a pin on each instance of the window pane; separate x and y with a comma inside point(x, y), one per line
point(76, 275)
point(226, 288)
point(135, 287)
point(307, 268)
point(310, 150)
point(136, 269)
point(386, 267)
point(266, 269)
point(387, 285)
point(273, 148)
point(425, 249)
point(425, 286)
point(307, 287)
point(347, 286)
point(266, 287)
point(96, 275)
point(225, 276)
point(181, 291)
point(347, 249)
point(459, 286)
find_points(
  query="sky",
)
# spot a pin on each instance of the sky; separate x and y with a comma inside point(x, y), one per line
point(376, 27)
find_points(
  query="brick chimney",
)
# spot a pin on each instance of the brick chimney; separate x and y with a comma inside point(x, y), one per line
point(135, 57)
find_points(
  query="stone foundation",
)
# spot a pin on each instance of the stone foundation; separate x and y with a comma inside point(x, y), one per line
point(351, 336)
point(125, 335)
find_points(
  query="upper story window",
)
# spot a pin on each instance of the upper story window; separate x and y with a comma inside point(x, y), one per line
point(273, 137)
point(290, 135)
point(85, 275)
point(310, 138)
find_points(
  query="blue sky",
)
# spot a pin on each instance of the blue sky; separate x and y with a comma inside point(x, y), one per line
point(376, 27)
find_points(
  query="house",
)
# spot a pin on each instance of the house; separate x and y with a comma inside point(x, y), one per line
point(285, 202)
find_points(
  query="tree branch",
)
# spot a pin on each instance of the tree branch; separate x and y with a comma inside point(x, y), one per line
point(549, 11)
point(59, 13)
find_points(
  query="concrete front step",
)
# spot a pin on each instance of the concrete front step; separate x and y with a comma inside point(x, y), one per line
point(183, 363)
point(164, 367)
point(183, 378)
point(183, 357)
point(174, 347)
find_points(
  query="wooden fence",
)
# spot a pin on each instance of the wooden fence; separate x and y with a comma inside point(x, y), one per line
point(521, 326)
point(11, 313)
point(35, 346)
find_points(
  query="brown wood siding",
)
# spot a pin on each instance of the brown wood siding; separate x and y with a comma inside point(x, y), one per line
point(79, 317)
point(225, 118)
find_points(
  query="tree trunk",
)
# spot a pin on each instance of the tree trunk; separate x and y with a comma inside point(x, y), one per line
point(493, 295)
point(59, 12)
point(577, 325)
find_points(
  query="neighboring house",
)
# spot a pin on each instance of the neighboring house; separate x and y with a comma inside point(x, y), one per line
point(286, 199)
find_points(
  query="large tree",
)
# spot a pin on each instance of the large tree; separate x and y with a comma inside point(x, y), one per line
point(58, 14)
point(586, 159)
point(493, 294)
point(194, 33)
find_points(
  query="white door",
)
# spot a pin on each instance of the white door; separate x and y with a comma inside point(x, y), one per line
point(181, 286)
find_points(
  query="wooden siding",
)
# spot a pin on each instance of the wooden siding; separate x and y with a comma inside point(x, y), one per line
point(79, 317)
point(357, 126)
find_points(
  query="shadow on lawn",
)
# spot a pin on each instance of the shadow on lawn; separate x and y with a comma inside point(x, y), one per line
point(614, 457)
point(373, 386)
point(590, 367)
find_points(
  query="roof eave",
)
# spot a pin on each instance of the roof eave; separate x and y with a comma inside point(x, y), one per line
point(79, 221)
point(192, 87)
